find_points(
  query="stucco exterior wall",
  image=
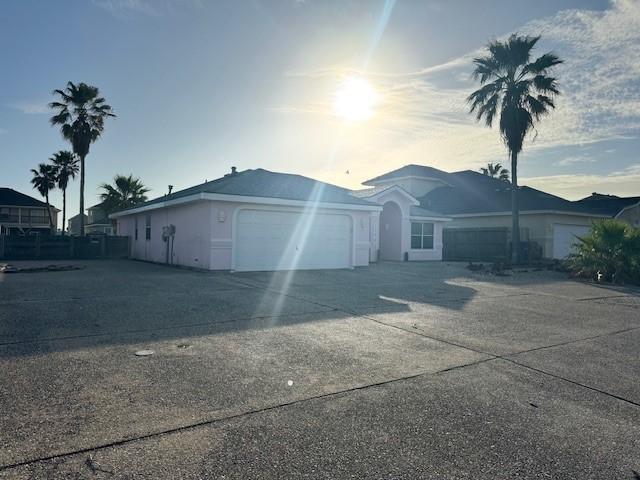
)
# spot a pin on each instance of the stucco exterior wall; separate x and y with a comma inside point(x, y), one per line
point(204, 233)
point(534, 227)
point(191, 243)
point(405, 231)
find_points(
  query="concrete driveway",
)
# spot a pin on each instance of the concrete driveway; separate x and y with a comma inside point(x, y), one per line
point(421, 370)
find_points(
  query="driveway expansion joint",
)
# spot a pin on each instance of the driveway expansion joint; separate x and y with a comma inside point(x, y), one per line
point(491, 355)
point(247, 413)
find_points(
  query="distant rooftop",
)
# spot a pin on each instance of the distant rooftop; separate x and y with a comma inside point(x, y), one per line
point(11, 197)
point(607, 204)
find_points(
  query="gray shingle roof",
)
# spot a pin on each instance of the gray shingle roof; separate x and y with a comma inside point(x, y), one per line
point(473, 193)
point(9, 196)
point(266, 184)
point(607, 204)
point(411, 171)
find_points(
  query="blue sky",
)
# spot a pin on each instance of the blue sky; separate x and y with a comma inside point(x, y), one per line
point(201, 85)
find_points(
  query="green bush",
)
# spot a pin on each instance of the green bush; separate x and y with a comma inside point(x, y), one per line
point(609, 252)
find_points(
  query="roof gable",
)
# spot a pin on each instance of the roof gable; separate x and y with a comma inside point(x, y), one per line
point(373, 193)
point(419, 171)
point(11, 197)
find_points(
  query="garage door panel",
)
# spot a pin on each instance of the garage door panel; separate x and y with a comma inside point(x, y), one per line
point(564, 238)
point(284, 240)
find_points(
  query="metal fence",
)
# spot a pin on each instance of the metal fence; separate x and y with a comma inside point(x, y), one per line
point(488, 244)
point(53, 247)
point(491, 244)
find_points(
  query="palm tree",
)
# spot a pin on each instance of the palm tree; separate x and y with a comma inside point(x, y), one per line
point(518, 91)
point(496, 171)
point(66, 164)
point(126, 192)
point(80, 114)
point(44, 180)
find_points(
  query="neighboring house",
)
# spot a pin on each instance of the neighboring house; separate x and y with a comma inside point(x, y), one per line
point(74, 224)
point(255, 220)
point(21, 214)
point(630, 214)
point(622, 208)
point(96, 222)
point(474, 200)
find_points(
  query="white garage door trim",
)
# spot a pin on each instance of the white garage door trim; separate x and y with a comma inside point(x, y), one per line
point(564, 237)
point(293, 258)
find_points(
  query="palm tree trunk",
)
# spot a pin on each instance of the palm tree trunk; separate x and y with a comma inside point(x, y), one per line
point(46, 198)
point(64, 209)
point(515, 211)
point(82, 196)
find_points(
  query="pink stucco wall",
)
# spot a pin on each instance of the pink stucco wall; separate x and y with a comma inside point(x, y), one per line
point(204, 233)
point(403, 236)
point(191, 241)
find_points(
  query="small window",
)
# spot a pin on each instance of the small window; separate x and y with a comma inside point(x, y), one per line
point(135, 228)
point(147, 228)
point(421, 236)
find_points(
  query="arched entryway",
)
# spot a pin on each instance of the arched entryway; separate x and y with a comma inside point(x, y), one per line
point(391, 232)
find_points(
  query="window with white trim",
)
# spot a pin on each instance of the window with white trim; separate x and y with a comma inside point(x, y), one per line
point(135, 228)
point(147, 228)
point(421, 236)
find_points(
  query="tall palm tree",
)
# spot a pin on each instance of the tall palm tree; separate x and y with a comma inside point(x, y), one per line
point(126, 192)
point(66, 164)
point(495, 171)
point(80, 113)
point(518, 91)
point(44, 180)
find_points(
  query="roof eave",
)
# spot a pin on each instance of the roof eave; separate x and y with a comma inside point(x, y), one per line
point(530, 212)
point(377, 181)
point(400, 190)
point(243, 199)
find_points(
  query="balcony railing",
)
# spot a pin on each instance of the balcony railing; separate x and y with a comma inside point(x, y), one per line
point(24, 220)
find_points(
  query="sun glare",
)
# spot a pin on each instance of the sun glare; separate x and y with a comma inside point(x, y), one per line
point(355, 100)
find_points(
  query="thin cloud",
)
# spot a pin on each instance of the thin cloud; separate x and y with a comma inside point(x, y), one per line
point(568, 161)
point(427, 113)
point(145, 7)
point(574, 187)
point(31, 108)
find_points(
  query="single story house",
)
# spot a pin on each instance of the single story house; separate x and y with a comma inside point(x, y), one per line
point(262, 220)
point(473, 200)
point(255, 220)
point(21, 214)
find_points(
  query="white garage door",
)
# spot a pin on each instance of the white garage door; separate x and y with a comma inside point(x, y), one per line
point(564, 236)
point(281, 240)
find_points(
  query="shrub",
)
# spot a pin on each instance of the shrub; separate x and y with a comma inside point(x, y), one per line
point(610, 252)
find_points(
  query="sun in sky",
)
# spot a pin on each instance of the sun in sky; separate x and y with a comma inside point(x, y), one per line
point(355, 100)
